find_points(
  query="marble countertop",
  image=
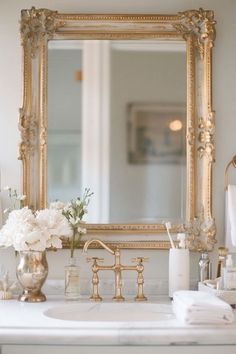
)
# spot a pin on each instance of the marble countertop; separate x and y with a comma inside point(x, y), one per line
point(24, 323)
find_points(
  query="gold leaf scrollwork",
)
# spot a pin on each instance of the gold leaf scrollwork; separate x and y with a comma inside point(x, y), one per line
point(209, 231)
point(201, 233)
point(190, 136)
point(35, 25)
point(200, 24)
point(205, 137)
point(27, 127)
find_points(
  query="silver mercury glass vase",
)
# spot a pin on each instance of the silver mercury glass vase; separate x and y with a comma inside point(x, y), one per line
point(31, 273)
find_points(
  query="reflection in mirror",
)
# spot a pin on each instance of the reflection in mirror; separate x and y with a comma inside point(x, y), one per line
point(64, 122)
point(117, 124)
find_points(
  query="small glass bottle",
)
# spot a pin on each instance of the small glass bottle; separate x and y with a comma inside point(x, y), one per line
point(204, 267)
point(229, 274)
point(223, 251)
point(72, 291)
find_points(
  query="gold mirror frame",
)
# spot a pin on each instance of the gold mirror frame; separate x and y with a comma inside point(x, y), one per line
point(197, 28)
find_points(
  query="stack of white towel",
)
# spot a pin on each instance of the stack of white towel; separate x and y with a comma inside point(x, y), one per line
point(196, 307)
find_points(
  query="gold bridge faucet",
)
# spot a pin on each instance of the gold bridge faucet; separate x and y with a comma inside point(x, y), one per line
point(117, 267)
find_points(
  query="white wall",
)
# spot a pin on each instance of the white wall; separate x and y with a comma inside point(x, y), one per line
point(224, 95)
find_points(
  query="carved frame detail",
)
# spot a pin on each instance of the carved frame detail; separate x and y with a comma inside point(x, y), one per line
point(197, 28)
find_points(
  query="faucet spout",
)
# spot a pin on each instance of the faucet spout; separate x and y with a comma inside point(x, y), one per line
point(89, 242)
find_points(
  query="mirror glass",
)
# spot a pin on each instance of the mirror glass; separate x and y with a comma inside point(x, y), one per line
point(117, 124)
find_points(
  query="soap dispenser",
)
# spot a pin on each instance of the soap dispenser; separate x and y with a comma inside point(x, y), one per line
point(229, 274)
point(179, 278)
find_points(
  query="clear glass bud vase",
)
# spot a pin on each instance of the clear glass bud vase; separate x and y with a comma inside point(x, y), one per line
point(72, 291)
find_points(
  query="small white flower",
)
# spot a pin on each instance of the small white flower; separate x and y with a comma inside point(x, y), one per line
point(79, 202)
point(67, 208)
point(21, 197)
point(82, 230)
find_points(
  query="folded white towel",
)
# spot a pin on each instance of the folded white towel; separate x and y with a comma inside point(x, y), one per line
point(197, 307)
point(230, 218)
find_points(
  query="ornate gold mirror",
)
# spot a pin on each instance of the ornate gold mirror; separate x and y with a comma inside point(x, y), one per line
point(121, 104)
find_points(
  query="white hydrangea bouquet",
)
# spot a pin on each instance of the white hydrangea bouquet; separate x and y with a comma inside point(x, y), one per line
point(26, 230)
point(29, 231)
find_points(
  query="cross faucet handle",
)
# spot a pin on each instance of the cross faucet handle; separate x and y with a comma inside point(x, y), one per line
point(140, 259)
point(94, 259)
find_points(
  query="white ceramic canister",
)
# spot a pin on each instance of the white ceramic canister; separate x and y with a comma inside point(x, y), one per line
point(179, 278)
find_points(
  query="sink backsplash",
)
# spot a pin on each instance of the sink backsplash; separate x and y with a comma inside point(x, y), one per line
point(152, 287)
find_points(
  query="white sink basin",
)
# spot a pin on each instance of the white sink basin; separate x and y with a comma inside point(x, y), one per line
point(111, 312)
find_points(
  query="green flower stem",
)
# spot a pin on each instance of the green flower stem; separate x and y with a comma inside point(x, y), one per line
point(72, 244)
